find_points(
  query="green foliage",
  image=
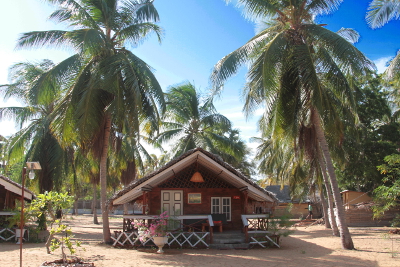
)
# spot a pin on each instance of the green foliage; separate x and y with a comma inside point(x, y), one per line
point(387, 195)
point(379, 13)
point(49, 203)
point(191, 121)
point(65, 241)
point(111, 91)
point(280, 225)
point(15, 220)
point(35, 139)
point(396, 221)
point(376, 136)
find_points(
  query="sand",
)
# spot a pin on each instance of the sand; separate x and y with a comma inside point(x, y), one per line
point(307, 246)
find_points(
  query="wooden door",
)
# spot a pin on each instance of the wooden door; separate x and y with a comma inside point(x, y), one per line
point(172, 202)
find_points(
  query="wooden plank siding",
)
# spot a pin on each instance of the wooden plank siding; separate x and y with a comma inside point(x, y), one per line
point(205, 206)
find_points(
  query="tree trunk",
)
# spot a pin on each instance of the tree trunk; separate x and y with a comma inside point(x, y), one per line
point(75, 209)
point(347, 242)
point(103, 181)
point(331, 214)
point(324, 207)
point(94, 204)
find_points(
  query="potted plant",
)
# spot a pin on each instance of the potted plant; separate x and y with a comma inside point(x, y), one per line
point(157, 230)
point(15, 222)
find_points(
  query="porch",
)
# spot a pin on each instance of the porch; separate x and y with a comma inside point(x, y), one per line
point(7, 233)
point(190, 232)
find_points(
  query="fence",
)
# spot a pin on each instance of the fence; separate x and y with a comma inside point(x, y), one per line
point(85, 207)
point(364, 217)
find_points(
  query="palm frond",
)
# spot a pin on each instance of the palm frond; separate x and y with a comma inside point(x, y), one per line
point(41, 39)
point(394, 67)
point(382, 11)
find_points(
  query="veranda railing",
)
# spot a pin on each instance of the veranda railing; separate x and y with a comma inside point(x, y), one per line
point(188, 232)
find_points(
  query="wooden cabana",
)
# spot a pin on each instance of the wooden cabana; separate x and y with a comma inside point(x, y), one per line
point(220, 190)
point(10, 192)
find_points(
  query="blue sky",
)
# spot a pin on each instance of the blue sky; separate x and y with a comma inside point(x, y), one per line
point(197, 33)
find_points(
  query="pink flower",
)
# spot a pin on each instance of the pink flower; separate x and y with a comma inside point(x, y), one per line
point(155, 228)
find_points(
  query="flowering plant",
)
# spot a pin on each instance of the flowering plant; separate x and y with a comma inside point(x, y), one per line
point(157, 227)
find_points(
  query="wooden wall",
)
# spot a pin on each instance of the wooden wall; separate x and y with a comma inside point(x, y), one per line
point(352, 197)
point(205, 206)
point(7, 199)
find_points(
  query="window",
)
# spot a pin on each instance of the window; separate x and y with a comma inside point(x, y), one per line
point(221, 205)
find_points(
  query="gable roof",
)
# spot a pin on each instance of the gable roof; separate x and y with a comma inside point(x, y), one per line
point(283, 195)
point(212, 162)
point(15, 187)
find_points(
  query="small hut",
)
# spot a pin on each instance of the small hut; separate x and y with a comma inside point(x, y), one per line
point(352, 198)
point(195, 187)
point(10, 192)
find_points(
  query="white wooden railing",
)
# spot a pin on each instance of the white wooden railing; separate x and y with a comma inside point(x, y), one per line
point(193, 238)
point(257, 224)
point(6, 233)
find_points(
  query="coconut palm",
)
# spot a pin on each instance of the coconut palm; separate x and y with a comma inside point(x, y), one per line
point(190, 122)
point(153, 164)
point(130, 157)
point(2, 157)
point(86, 172)
point(34, 141)
point(299, 72)
point(379, 13)
point(110, 88)
point(296, 165)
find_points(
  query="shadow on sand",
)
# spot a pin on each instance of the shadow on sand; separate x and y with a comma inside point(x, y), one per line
point(290, 254)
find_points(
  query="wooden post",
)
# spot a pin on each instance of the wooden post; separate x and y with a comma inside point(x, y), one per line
point(211, 234)
point(7, 200)
point(21, 227)
point(246, 201)
point(148, 202)
point(144, 202)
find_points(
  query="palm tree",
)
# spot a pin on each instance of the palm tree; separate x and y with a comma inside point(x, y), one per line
point(34, 140)
point(297, 164)
point(299, 72)
point(110, 88)
point(130, 158)
point(190, 123)
point(2, 158)
point(86, 171)
point(153, 164)
point(379, 13)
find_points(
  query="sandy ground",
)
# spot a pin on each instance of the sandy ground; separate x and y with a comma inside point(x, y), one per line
point(311, 246)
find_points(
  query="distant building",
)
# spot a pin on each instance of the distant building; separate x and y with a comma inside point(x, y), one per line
point(351, 198)
point(299, 209)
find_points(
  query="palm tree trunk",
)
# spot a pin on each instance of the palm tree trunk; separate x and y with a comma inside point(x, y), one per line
point(75, 209)
point(324, 207)
point(347, 242)
point(103, 181)
point(331, 214)
point(94, 208)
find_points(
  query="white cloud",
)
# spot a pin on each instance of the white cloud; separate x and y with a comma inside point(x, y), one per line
point(7, 128)
point(381, 63)
point(232, 115)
